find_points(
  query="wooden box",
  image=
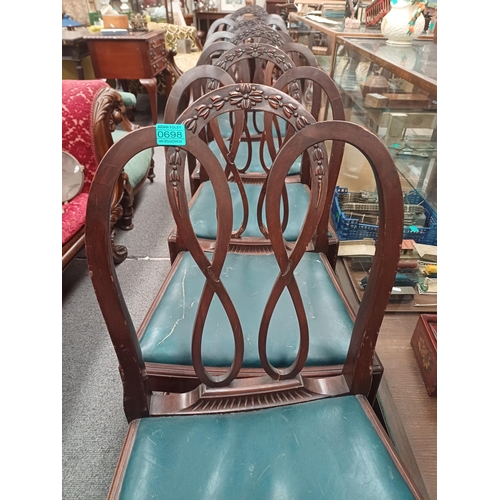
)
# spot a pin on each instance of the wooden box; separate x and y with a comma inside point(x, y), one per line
point(424, 343)
point(374, 100)
point(117, 21)
point(408, 101)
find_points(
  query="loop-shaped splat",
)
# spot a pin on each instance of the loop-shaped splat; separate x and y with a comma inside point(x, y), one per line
point(211, 269)
point(323, 90)
point(288, 261)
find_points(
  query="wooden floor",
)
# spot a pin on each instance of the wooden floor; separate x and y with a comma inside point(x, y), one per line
point(410, 414)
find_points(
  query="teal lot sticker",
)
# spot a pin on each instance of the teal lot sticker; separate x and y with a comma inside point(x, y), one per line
point(170, 134)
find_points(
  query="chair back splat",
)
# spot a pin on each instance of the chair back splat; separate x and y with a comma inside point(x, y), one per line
point(264, 303)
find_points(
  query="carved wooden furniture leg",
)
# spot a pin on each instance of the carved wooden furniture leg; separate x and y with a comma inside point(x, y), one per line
point(119, 252)
point(124, 84)
point(152, 87)
point(151, 172)
point(127, 204)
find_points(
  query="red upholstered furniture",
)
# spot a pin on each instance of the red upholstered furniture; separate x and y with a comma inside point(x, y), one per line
point(90, 111)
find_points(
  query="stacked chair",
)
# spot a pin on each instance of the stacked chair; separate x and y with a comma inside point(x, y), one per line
point(249, 376)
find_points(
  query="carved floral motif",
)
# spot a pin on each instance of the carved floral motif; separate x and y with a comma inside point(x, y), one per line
point(254, 50)
point(245, 96)
point(175, 161)
point(261, 32)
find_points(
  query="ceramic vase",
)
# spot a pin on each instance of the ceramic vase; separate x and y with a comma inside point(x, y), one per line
point(395, 24)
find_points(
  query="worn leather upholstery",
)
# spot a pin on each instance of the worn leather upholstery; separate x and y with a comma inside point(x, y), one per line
point(167, 337)
point(322, 449)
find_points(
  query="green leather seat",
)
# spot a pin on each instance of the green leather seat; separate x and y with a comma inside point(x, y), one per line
point(138, 166)
point(321, 449)
point(167, 337)
point(203, 214)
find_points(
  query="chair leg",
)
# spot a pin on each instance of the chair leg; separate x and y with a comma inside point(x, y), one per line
point(127, 203)
point(333, 249)
point(151, 172)
point(130, 113)
point(175, 245)
point(119, 252)
point(372, 396)
point(195, 184)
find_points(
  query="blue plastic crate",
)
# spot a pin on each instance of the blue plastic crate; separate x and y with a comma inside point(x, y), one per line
point(353, 229)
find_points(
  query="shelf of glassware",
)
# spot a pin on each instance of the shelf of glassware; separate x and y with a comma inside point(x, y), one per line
point(392, 91)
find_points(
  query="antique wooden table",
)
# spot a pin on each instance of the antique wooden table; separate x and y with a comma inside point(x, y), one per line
point(135, 56)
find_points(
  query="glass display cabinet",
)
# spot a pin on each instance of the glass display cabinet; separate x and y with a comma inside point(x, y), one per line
point(392, 91)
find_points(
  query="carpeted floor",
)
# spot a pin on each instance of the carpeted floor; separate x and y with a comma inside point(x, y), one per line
point(93, 421)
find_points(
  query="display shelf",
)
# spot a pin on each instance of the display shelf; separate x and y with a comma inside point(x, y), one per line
point(404, 112)
point(393, 92)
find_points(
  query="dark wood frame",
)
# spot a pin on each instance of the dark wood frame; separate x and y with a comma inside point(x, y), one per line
point(204, 19)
